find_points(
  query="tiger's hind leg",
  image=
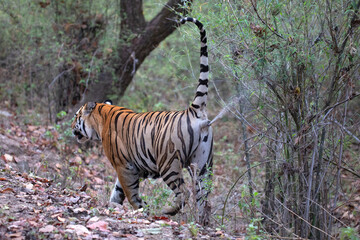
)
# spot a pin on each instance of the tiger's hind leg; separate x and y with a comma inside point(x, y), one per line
point(201, 171)
point(173, 177)
point(117, 194)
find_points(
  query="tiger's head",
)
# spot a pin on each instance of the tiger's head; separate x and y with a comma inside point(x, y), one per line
point(85, 125)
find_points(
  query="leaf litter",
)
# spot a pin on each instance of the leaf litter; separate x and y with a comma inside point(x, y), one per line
point(36, 204)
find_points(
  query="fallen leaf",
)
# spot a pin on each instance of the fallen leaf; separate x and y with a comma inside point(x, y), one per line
point(56, 215)
point(219, 233)
point(172, 223)
point(32, 128)
point(98, 181)
point(161, 218)
point(3, 179)
point(142, 221)
point(75, 161)
point(33, 223)
point(47, 229)
point(129, 236)
point(37, 211)
point(16, 236)
point(7, 190)
point(93, 219)
point(61, 219)
point(153, 231)
point(80, 210)
point(79, 229)
point(29, 186)
point(83, 188)
point(7, 157)
point(74, 199)
point(101, 225)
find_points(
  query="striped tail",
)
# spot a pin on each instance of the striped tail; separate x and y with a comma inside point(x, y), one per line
point(200, 100)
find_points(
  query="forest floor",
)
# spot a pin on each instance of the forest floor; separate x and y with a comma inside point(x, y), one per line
point(38, 199)
point(53, 188)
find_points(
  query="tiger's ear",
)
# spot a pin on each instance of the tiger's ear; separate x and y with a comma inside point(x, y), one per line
point(108, 101)
point(89, 107)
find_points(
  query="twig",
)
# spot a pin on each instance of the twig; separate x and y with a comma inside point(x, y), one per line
point(262, 20)
point(310, 180)
point(234, 184)
point(288, 238)
point(60, 75)
point(328, 109)
point(247, 155)
point(88, 76)
point(344, 168)
point(295, 214)
point(347, 131)
point(328, 213)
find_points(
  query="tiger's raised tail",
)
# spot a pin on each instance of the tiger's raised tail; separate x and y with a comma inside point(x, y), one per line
point(200, 100)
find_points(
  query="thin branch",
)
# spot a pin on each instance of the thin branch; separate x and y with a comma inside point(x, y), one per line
point(344, 168)
point(328, 109)
point(88, 76)
point(347, 131)
point(295, 214)
point(262, 20)
point(60, 75)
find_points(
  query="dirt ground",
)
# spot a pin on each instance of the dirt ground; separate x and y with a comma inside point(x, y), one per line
point(40, 198)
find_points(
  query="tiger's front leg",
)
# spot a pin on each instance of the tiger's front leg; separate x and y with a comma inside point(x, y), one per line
point(117, 194)
point(129, 181)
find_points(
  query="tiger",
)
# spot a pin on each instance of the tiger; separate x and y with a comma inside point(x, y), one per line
point(155, 144)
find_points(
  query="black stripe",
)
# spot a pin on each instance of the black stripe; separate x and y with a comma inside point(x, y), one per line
point(191, 111)
point(178, 182)
point(116, 134)
point(151, 157)
point(119, 189)
point(170, 175)
point(100, 108)
point(203, 36)
point(134, 185)
point(195, 106)
point(111, 145)
point(143, 145)
point(204, 68)
point(124, 122)
point(83, 127)
point(203, 51)
point(199, 24)
point(203, 82)
point(181, 135)
point(203, 170)
point(200, 94)
point(191, 134)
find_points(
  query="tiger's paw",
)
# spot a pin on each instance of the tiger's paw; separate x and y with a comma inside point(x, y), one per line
point(171, 211)
point(117, 197)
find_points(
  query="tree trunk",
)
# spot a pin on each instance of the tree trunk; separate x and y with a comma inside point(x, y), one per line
point(139, 38)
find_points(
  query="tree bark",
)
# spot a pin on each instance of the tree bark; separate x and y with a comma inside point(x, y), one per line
point(139, 39)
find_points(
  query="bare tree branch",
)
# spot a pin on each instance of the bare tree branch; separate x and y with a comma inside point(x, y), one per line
point(140, 39)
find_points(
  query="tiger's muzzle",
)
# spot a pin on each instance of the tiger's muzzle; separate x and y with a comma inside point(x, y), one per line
point(78, 135)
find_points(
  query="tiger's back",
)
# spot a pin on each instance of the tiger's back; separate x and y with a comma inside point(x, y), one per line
point(152, 136)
